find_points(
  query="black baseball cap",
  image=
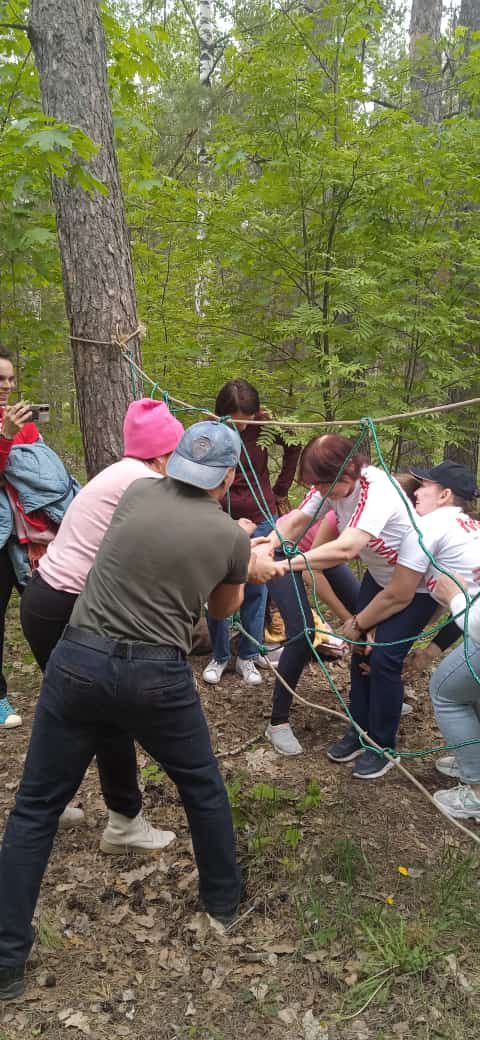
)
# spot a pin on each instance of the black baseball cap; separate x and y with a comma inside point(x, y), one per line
point(451, 475)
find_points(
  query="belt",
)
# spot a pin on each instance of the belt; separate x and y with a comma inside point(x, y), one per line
point(117, 648)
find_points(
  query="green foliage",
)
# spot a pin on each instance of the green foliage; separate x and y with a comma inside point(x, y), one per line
point(335, 233)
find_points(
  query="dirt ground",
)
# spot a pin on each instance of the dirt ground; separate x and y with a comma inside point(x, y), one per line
point(335, 942)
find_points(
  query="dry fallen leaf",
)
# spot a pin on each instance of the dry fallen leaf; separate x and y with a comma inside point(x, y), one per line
point(313, 1029)
point(78, 1021)
point(288, 1016)
point(129, 876)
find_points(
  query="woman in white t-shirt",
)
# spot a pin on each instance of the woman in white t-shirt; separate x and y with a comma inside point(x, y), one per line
point(373, 520)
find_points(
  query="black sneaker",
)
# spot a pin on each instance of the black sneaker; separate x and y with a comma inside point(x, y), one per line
point(12, 982)
point(371, 765)
point(346, 749)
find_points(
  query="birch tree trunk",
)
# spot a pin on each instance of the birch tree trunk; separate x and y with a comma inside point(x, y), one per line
point(69, 47)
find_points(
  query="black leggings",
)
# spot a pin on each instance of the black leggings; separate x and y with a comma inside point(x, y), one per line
point(290, 596)
point(44, 612)
point(8, 582)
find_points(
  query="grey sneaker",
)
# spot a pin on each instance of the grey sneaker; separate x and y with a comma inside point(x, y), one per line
point(447, 766)
point(346, 749)
point(214, 671)
point(248, 671)
point(460, 802)
point(283, 739)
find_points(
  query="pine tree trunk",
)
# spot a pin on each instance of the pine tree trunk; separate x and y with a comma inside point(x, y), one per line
point(425, 31)
point(69, 46)
point(205, 68)
point(466, 422)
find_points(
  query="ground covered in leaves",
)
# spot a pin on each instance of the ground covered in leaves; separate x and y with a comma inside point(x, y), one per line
point(362, 914)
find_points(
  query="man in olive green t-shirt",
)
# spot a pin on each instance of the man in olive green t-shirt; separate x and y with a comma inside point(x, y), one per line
point(122, 662)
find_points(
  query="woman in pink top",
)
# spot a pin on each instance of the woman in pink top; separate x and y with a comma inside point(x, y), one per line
point(150, 434)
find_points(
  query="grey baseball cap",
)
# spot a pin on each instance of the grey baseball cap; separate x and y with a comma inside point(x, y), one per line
point(204, 455)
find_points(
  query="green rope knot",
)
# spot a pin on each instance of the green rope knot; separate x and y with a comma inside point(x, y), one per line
point(154, 389)
point(224, 418)
point(289, 548)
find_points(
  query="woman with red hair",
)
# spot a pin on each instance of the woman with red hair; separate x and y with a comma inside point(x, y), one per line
point(373, 520)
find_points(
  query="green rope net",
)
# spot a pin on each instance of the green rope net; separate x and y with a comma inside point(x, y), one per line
point(290, 549)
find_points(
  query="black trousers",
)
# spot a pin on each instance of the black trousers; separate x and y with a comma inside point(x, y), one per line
point(44, 612)
point(8, 582)
point(92, 684)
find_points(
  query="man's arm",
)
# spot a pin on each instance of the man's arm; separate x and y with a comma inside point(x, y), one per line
point(225, 600)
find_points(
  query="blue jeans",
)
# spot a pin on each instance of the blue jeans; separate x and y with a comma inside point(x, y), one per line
point(376, 699)
point(252, 616)
point(456, 702)
point(91, 684)
point(295, 656)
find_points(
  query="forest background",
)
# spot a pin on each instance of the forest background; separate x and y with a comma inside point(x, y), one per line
point(301, 186)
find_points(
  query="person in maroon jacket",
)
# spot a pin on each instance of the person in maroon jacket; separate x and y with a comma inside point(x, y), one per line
point(240, 400)
point(14, 429)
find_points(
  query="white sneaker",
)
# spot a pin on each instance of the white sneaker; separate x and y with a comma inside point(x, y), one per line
point(406, 708)
point(283, 739)
point(447, 765)
point(460, 802)
point(122, 834)
point(214, 671)
point(248, 671)
point(9, 718)
point(71, 817)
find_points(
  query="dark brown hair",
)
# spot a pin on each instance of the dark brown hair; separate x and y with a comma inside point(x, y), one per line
point(409, 484)
point(5, 355)
point(237, 396)
point(323, 457)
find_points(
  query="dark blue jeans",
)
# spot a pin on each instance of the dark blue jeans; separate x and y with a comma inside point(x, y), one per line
point(295, 656)
point(252, 617)
point(87, 688)
point(376, 699)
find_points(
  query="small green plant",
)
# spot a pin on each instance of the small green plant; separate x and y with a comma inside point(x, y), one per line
point(346, 860)
point(48, 935)
point(315, 923)
point(152, 774)
point(312, 797)
point(406, 947)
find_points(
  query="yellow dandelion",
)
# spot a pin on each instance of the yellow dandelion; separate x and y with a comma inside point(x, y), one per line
point(390, 900)
point(404, 871)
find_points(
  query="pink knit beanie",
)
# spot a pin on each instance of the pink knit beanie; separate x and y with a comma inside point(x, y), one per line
point(150, 430)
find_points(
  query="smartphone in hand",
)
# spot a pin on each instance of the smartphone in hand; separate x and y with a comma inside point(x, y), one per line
point(40, 413)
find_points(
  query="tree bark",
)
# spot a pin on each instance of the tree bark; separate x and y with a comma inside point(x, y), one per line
point(69, 46)
point(425, 31)
point(467, 422)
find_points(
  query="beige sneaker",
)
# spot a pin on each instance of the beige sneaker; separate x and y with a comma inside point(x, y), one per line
point(123, 835)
